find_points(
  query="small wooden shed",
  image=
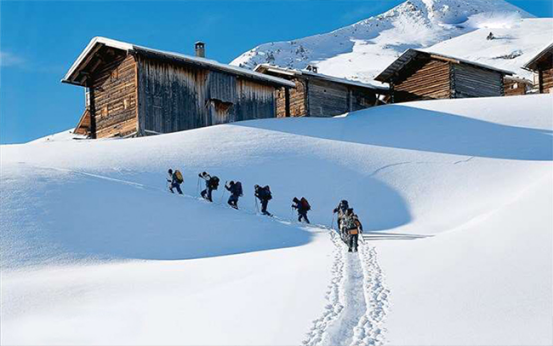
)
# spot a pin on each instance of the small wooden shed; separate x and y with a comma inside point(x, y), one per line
point(136, 91)
point(514, 85)
point(542, 66)
point(420, 75)
point(319, 95)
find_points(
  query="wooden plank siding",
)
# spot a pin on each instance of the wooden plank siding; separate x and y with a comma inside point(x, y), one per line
point(322, 98)
point(424, 80)
point(256, 101)
point(115, 103)
point(327, 99)
point(172, 97)
point(515, 87)
point(470, 81)
point(179, 97)
point(546, 81)
point(297, 100)
point(360, 99)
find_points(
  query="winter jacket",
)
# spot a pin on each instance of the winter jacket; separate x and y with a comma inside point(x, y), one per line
point(234, 189)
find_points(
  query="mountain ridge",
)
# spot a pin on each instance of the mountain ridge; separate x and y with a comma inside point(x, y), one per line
point(359, 51)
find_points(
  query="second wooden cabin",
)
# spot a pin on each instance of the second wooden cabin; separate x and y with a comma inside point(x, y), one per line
point(420, 75)
point(542, 66)
point(137, 91)
point(319, 95)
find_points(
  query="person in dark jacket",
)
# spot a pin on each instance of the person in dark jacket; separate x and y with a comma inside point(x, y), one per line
point(173, 181)
point(264, 195)
point(302, 206)
point(353, 227)
point(211, 183)
point(341, 210)
point(235, 189)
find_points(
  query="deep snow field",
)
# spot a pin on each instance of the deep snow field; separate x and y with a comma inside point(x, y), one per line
point(455, 196)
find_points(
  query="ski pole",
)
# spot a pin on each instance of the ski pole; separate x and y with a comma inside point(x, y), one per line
point(198, 186)
point(223, 195)
point(332, 222)
point(256, 206)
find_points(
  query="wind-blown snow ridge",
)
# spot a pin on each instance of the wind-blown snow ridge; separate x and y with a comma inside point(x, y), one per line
point(360, 51)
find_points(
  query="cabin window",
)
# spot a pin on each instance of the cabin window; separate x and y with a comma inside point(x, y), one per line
point(515, 86)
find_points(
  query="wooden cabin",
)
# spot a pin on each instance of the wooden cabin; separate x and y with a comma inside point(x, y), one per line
point(319, 95)
point(137, 91)
point(514, 85)
point(419, 75)
point(542, 66)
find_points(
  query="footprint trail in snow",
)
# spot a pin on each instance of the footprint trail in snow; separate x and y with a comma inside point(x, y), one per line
point(357, 300)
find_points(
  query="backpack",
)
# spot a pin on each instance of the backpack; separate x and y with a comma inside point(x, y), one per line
point(214, 183)
point(305, 204)
point(349, 222)
point(267, 193)
point(238, 188)
point(178, 176)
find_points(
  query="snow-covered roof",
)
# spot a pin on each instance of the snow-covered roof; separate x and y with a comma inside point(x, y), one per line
point(97, 42)
point(411, 54)
point(294, 72)
point(531, 65)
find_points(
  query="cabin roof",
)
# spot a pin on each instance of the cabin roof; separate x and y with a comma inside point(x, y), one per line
point(96, 43)
point(519, 79)
point(411, 54)
point(543, 54)
point(293, 72)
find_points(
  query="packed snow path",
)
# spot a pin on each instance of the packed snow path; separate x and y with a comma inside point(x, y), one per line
point(357, 299)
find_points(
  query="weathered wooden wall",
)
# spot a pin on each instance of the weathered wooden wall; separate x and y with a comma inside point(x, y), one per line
point(255, 100)
point(297, 100)
point(326, 99)
point(546, 81)
point(181, 97)
point(424, 80)
point(471, 81)
point(360, 99)
point(115, 103)
point(318, 97)
point(513, 87)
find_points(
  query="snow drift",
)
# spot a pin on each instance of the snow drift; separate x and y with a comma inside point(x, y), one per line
point(455, 196)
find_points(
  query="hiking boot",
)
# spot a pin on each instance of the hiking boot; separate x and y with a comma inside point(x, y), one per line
point(349, 250)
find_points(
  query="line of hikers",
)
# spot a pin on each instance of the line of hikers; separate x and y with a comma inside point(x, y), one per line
point(348, 223)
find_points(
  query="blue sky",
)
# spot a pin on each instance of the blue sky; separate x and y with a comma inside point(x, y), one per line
point(39, 40)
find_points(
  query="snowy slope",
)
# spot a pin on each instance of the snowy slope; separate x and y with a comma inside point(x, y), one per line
point(94, 251)
point(362, 50)
point(514, 45)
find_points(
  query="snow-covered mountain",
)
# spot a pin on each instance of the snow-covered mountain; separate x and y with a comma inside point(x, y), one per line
point(362, 50)
point(457, 215)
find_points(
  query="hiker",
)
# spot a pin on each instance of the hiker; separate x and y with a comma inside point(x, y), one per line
point(211, 183)
point(353, 227)
point(174, 180)
point(235, 189)
point(341, 210)
point(264, 195)
point(302, 205)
